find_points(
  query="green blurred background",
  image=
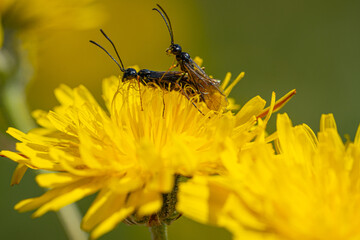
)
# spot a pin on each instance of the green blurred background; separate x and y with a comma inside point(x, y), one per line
point(313, 46)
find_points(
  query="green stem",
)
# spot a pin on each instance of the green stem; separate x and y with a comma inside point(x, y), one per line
point(15, 73)
point(16, 108)
point(159, 232)
point(70, 218)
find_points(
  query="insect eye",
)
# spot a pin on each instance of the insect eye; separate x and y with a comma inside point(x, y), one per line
point(176, 49)
point(130, 73)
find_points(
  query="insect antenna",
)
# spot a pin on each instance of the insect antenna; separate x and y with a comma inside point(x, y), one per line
point(167, 21)
point(95, 43)
point(117, 54)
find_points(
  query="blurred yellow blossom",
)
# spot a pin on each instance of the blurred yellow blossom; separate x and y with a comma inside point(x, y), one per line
point(307, 189)
point(33, 18)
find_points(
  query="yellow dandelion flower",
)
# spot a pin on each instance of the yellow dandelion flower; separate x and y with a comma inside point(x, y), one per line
point(40, 16)
point(133, 154)
point(308, 189)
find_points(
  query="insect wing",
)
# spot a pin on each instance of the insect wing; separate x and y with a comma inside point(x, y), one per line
point(198, 68)
point(200, 71)
point(208, 88)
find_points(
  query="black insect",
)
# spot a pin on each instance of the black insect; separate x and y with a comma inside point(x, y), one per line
point(170, 80)
point(208, 88)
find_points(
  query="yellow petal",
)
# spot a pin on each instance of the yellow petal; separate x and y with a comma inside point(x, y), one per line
point(106, 203)
point(193, 199)
point(357, 137)
point(111, 222)
point(18, 174)
point(54, 180)
point(19, 135)
point(149, 202)
point(41, 119)
point(109, 86)
point(252, 108)
point(36, 160)
point(62, 123)
point(82, 95)
point(226, 81)
point(232, 85)
point(279, 103)
point(65, 95)
point(59, 197)
point(327, 121)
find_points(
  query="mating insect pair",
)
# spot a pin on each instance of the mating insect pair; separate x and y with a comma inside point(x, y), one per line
point(190, 77)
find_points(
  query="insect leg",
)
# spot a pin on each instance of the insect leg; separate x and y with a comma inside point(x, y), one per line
point(187, 96)
point(163, 98)
point(138, 80)
point(114, 97)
